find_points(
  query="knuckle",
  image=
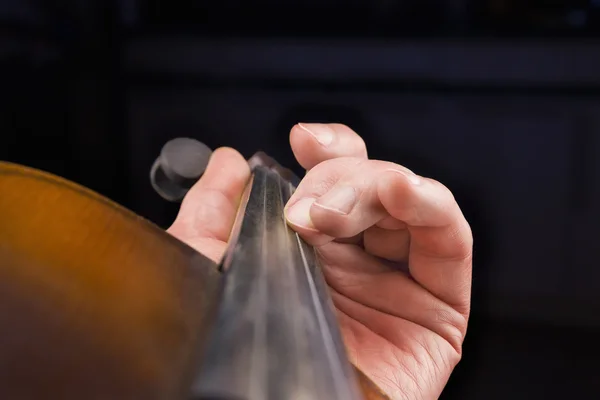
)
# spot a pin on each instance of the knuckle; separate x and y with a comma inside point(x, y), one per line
point(212, 202)
point(318, 181)
point(452, 326)
point(360, 147)
point(444, 191)
point(467, 239)
point(326, 183)
point(358, 144)
point(461, 238)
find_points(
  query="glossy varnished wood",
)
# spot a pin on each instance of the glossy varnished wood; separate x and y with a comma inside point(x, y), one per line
point(369, 389)
point(95, 302)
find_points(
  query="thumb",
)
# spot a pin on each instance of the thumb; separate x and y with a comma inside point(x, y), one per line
point(208, 210)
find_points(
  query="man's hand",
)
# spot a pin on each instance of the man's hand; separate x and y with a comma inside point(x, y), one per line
point(395, 249)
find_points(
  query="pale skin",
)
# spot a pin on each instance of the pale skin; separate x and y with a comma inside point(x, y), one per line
point(395, 247)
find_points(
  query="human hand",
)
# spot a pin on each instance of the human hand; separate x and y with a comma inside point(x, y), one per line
point(395, 250)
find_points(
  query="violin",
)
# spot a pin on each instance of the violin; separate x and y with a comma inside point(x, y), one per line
point(97, 302)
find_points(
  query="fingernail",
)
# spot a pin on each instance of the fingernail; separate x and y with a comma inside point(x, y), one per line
point(411, 176)
point(321, 132)
point(339, 199)
point(299, 214)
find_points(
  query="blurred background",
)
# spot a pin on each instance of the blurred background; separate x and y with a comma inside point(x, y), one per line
point(498, 99)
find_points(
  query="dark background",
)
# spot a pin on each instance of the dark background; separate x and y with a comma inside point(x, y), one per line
point(499, 100)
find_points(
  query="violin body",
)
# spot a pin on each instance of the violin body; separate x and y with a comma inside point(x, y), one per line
point(95, 301)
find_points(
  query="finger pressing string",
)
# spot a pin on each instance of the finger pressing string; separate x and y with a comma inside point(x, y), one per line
point(357, 198)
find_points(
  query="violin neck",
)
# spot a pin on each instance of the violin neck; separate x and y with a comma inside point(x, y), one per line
point(275, 335)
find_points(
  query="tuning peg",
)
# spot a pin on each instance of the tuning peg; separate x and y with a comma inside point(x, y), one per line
point(181, 162)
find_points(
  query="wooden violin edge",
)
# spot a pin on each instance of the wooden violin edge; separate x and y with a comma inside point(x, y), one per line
point(368, 388)
point(7, 168)
point(88, 285)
